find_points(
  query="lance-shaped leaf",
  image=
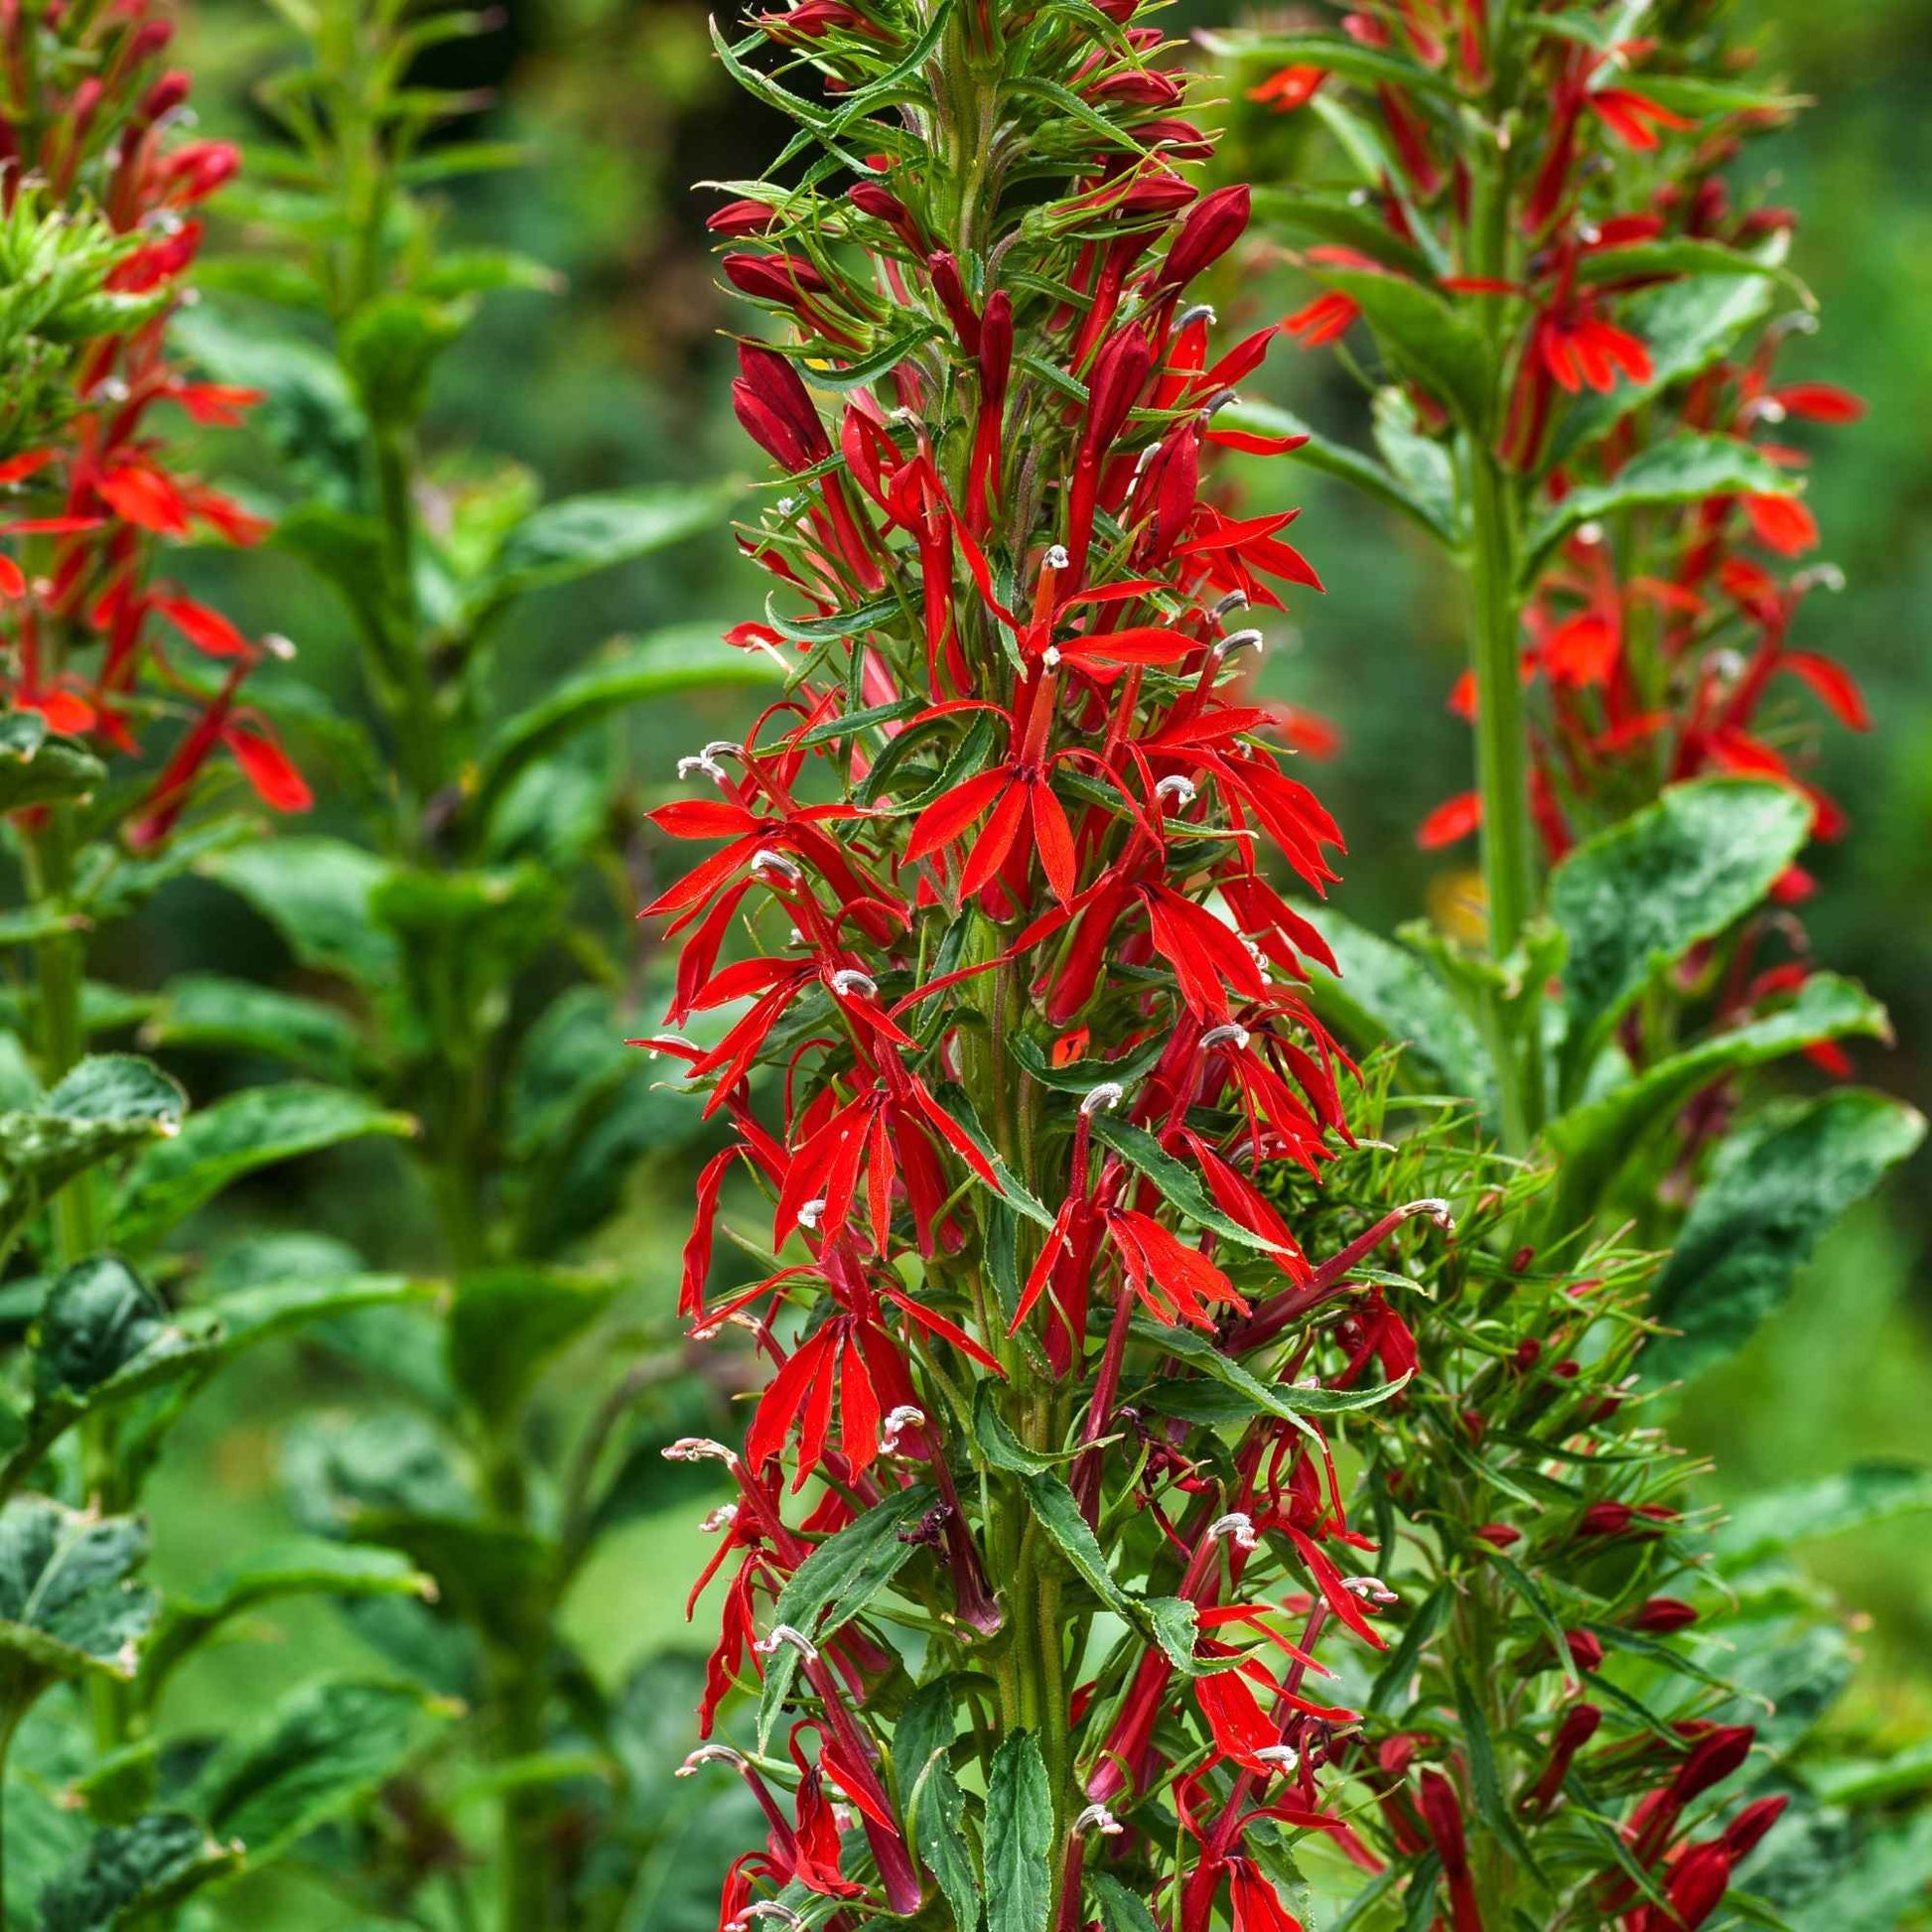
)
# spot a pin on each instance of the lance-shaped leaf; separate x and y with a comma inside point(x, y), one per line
point(40, 767)
point(1018, 1838)
point(1636, 899)
point(1178, 1186)
point(498, 1578)
point(319, 895)
point(1683, 469)
point(935, 1806)
point(299, 1566)
point(1778, 1183)
point(209, 1010)
point(247, 1315)
point(1336, 459)
point(69, 1602)
point(834, 1584)
point(103, 1336)
point(319, 1756)
point(1387, 997)
point(578, 536)
point(1424, 335)
point(1858, 1497)
point(258, 1127)
point(1592, 1143)
point(130, 1873)
point(1368, 66)
point(507, 1324)
point(664, 665)
point(108, 1104)
point(1168, 1621)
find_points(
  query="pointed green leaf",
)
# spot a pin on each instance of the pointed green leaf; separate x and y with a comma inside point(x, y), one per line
point(1424, 336)
point(131, 1871)
point(1683, 469)
point(664, 665)
point(209, 1010)
point(578, 536)
point(68, 1604)
point(259, 1127)
point(1779, 1182)
point(1593, 1141)
point(39, 767)
point(1865, 1494)
point(322, 1752)
point(1636, 899)
point(1018, 1838)
point(835, 1583)
point(935, 1806)
point(507, 1324)
point(1178, 1186)
point(318, 893)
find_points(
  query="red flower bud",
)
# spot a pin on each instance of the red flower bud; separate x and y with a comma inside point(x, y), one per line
point(1210, 231)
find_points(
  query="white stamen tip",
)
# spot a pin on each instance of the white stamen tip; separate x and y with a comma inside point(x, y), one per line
point(710, 1754)
point(1224, 1036)
point(701, 762)
point(808, 1215)
point(1286, 1756)
point(1175, 786)
point(697, 1449)
point(853, 984)
point(1056, 557)
point(1820, 576)
point(1201, 312)
point(763, 1908)
point(1240, 641)
point(1371, 1590)
point(1097, 1818)
point(721, 1518)
point(1237, 1524)
point(1591, 533)
point(785, 1633)
point(1050, 657)
point(896, 1421)
point(1234, 601)
point(1218, 402)
point(1108, 1094)
point(766, 860)
point(1437, 1211)
point(278, 647)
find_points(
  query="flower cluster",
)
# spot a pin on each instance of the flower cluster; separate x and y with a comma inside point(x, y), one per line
point(994, 984)
point(87, 621)
point(1633, 305)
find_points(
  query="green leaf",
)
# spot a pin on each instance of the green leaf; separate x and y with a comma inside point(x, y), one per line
point(39, 767)
point(209, 1010)
point(258, 1127)
point(485, 271)
point(103, 1336)
point(1777, 1185)
point(1637, 897)
point(935, 1806)
point(133, 1870)
point(1593, 1142)
point(108, 1104)
point(1368, 66)
point(1254, 1397)
point(1680, 255)
point(687, 658)
point(320, 1754)
point(1871, 1781)
point(1387, 995)
point(1335, 460)
point(268, 1308)
point(319, 895)
point(1683, 469)
point(68, 1604)
point(1424, 335)
point(1018, 1838)
point(1179, 1186)
point(579, 536)
point(1862, 1496)
point(1843, 1879)
point(498, 1578)
point(1121, 1909)
point(307, 410)
point(390, 346)
point(1335, 215)
point(507, 1324)
point(834, 1584)
point(270, 1572)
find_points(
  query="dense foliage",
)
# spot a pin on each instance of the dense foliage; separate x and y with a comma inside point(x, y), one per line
point(1207, 1373)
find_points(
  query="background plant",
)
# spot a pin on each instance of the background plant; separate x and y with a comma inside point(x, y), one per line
point(466, 962)
point(1574, 341)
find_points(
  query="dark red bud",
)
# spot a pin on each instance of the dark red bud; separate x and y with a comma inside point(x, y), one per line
point(1747, 1831)
point(1586, 1649)
point(1663, 1615)
point(1210, 231)
point(1500, 1536)
point(1713, 1757)
point(742, 217)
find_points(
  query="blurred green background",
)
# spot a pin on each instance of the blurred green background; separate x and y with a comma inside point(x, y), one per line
point(620, 379)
